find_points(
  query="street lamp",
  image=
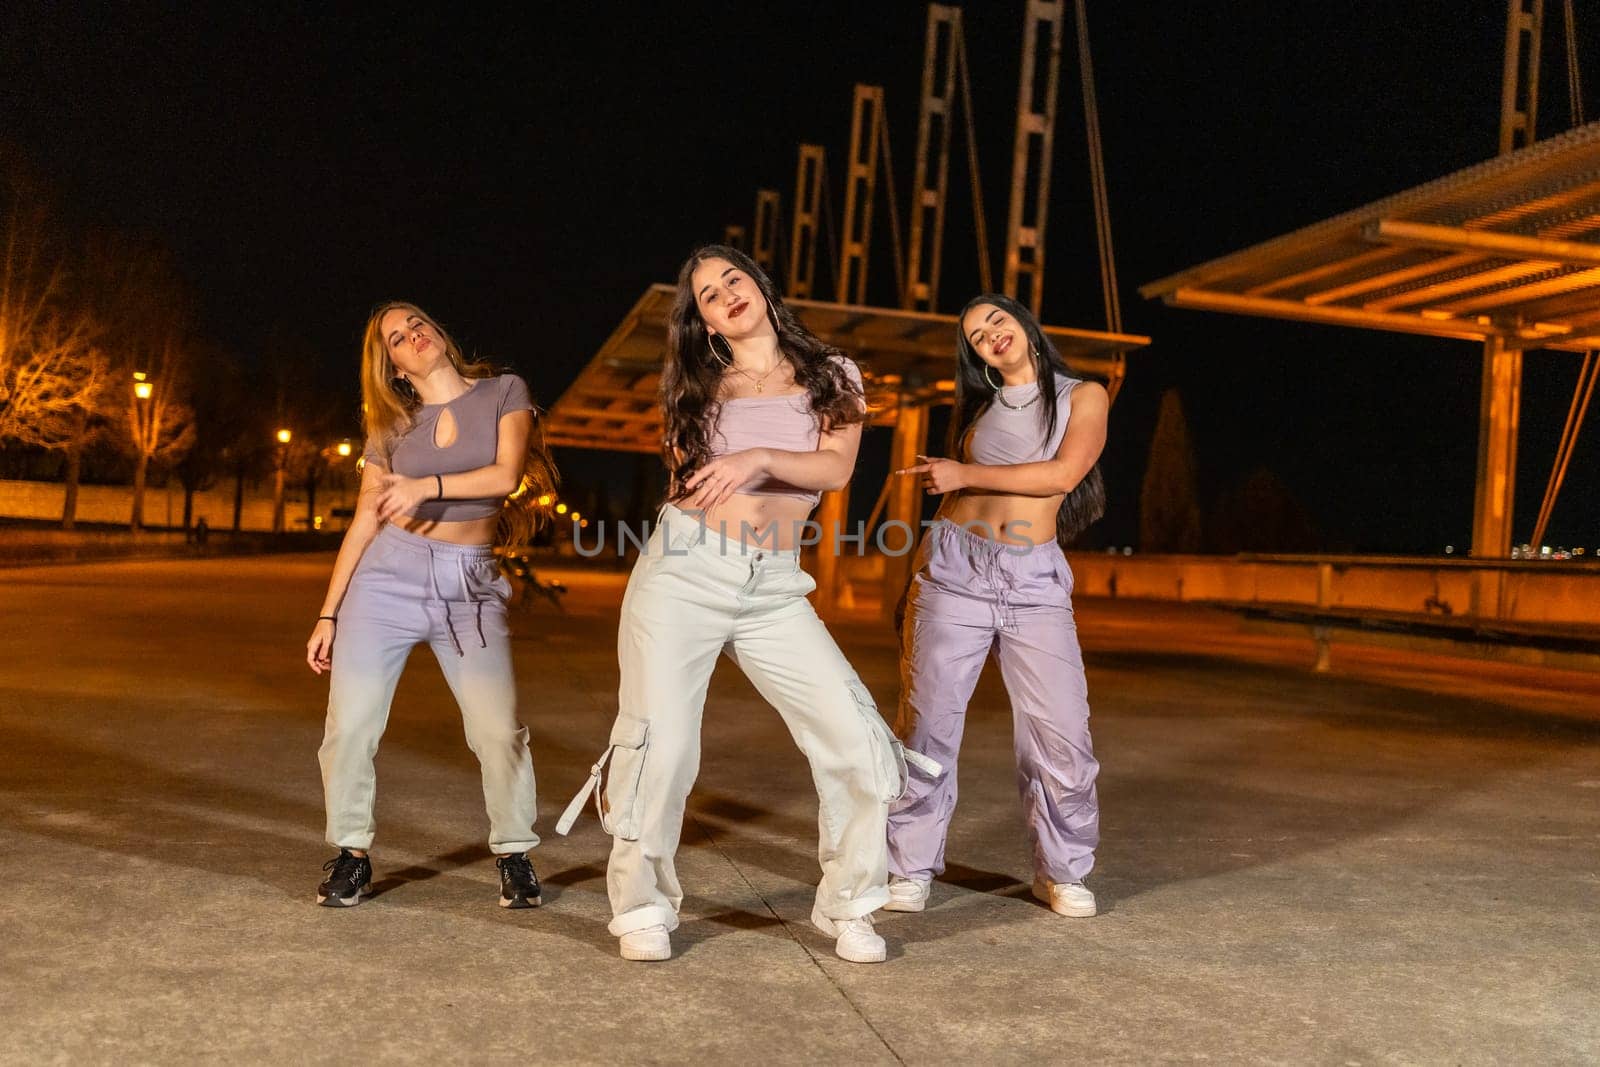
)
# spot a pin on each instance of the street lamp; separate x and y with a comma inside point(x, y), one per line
point(561, 509)
point(343, 448)
point(280, 461)
point(144, 434)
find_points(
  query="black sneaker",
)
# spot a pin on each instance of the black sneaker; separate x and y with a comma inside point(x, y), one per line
point(519, 886)
point(351, 877)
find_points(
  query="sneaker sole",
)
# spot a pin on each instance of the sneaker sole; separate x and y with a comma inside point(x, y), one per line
point(825, 924)
point(345, 902)
point(905, 905)
point(1070, 911)
point(646, 955)
point(521, 902)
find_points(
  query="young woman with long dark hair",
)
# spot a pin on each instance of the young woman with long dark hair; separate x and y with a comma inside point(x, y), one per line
point(991, 573)
point(448, 442)
point(760, 418)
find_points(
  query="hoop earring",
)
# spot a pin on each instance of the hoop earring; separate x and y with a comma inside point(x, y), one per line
point(726, 359)
point(988, 371)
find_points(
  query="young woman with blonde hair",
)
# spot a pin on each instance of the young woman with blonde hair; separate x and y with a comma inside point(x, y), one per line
point(448, 442)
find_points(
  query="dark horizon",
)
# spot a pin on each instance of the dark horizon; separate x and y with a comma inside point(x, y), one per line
point(526, 177)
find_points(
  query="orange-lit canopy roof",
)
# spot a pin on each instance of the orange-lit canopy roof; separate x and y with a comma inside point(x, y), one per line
point(1508, 248)
point(613, 405)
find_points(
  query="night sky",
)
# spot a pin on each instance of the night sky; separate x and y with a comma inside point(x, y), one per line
point(525, 172)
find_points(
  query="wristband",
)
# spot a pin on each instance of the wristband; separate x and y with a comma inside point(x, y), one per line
point(330, 618)
point(439, 478)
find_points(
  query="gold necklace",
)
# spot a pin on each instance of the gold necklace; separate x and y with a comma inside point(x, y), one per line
point(761, 381)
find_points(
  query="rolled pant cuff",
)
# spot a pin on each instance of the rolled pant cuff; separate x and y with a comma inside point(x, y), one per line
point(359, 842)
point(514, 848)
point(643, 918)
point(865, 904)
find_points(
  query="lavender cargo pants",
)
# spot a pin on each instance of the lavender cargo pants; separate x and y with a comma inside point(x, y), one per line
point(406, 590)
point(970, 594)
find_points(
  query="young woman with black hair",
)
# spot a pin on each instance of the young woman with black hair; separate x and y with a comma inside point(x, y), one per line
point(760, 418)
point(991, 573)
point(448, 442)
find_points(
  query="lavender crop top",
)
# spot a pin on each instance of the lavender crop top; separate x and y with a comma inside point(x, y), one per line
point(1001, 435)
point(477, 413)
point(784, 422)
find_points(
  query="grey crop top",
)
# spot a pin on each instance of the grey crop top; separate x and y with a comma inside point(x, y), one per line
point(477, 413)
point(1002, 435)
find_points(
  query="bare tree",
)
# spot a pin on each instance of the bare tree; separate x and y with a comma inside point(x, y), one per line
point(51, 368)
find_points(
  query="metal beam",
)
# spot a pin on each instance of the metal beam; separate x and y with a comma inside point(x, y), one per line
point(1500, 403)
point(1390, 278)
point(764, 239)
point(1323, 270)
point(1206, 300)
point(860, 183)
point(1486, 242)
point(1565, 283)
point(1483, 279)
point(1519, 86)
point(933, 139)
point(830, 518)
point(905, 500)
point(1032, 153)
point(807, 212)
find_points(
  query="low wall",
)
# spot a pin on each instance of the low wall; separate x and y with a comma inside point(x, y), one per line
point(1512, 590)
point(163, 506)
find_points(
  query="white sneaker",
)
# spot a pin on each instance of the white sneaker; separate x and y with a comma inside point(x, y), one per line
point(651, 943)
point(1072, 899)
point(856, 940)
point(907, 894)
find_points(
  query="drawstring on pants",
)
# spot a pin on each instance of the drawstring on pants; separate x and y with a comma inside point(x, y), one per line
point(466, 591)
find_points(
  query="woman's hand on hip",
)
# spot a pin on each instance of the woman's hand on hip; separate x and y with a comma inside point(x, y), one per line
point(398, 494)
point(319, 650)
point(714, 483)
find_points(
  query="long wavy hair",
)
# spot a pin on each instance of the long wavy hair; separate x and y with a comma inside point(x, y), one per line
point(1086, 503)
point(389, 406)
point(691, 377)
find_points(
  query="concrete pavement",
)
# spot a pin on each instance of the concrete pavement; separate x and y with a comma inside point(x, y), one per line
point(1396, 863)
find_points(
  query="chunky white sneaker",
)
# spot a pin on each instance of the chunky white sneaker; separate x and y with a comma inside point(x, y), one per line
point(1072, 899)
point(856, 940)
point(907, 894)
point(651, 943)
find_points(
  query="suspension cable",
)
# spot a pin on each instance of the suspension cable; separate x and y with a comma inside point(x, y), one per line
point(985, 271)
point(1569, 436)
point(1102, 206)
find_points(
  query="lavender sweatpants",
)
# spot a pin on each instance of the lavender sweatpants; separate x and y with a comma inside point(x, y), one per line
point(406, 590)
point(970, 594)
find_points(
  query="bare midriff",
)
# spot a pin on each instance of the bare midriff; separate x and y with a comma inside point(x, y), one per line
point(1005, 516)
point(464, 532)
point(759, 518)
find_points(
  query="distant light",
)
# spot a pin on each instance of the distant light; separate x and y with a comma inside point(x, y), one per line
point(1449, 550)
point(343, 448)
point(140, 376)
point(316, 523)
point(284, 436)
point(576, 516)
point(561, 509)
point(1544, 550)
point(1127, 550)
point(1577, 552)
point(544, 500)
point(584, 525)
point(142, 390)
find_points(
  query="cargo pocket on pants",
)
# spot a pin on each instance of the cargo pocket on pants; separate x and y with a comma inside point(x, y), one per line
point(617, 802)
point(887, 756)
